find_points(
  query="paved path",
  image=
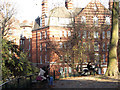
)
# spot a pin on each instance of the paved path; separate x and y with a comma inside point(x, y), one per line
point(86, 82)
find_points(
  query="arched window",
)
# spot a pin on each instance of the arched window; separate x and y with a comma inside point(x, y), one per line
point(107, 20)
point(83, 19)
point(95, 21)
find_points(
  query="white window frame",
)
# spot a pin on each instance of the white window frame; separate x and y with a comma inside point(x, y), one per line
point(65, 70)
point(95, 21)
point(103, 34)
point(40, 35)
point(108, 34)
point(96, 47)
point(61, 44)
point(40, 22)
point(70, 70)
point(84, 34)
point(89, 34)
point(45, 34)
point(97, 58)
point(40, 46)
point(69, 33)
point(83, 19)
point(107, 20)
point(21, 42)
point(103, 46)
point(96, 34)
point(65, 33)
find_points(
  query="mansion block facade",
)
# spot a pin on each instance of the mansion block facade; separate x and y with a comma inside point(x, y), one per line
point(89, 28)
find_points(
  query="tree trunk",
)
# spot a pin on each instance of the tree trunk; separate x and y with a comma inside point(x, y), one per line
point(112, 69)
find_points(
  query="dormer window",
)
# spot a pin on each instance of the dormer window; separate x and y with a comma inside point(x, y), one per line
point(95, 7)
point(95, 21)
point(83, 19)
point(107, 20)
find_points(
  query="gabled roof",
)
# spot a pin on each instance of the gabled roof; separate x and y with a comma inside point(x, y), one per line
point(108, 11)
point(61, 12)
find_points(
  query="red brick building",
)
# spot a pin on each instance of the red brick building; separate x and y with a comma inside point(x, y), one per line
point(26, 38)
point(54, 28)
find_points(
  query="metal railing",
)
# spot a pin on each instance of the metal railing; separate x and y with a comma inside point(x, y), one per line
point(20, 82)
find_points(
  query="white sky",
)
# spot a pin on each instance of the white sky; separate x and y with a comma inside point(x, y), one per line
point(31, 9)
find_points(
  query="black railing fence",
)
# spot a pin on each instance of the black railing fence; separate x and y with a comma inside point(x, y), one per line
point(20, 82)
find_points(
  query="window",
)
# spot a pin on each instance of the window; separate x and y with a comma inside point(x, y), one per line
point(10, 32)
point(65, 70)
point(41, 47)
point(103, 46)
point(84, 45)
point(65, 57)
point(83, 19)
point(40, 22)
point(61, 44)
point(95, 21)
point(96, 58)
point(70, 70)
point(40, 35)
point(61, 71)
point(96, 46)
point(107, 20)
point(69, 33)
point(41, 59)
point(95, 34)
point(69, 58)
point(84, 34)
point(45, 58)
point(21, 42)
point(108, 34)
point(65, 45)
point(103, 34)
point(45, 34)
point(65, 33)
point(104, 57)
point(79, 34)
point(95, 7)
point(89, 34)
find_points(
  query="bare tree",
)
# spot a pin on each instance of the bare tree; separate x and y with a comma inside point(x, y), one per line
point(7, 19)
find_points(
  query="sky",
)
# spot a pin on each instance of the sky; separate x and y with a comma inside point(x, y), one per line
point(31, 9)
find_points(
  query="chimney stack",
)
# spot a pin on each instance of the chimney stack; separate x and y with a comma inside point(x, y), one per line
point(44, 11)
point(69, 4)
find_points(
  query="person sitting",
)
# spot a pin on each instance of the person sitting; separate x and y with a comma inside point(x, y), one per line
point(89, 66)
point(41, 74)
